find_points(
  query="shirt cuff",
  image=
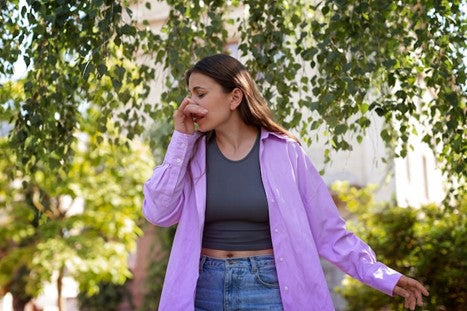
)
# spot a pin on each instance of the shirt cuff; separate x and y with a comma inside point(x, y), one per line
point(391, 280)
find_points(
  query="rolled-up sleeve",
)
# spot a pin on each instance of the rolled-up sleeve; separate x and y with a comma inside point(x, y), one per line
point(165, 191)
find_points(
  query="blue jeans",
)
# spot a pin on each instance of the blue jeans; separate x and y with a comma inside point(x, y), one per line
point(245, 283)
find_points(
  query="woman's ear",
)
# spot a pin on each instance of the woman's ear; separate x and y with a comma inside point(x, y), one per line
point(236, 98)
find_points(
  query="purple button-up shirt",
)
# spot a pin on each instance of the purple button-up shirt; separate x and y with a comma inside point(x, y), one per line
point(303, 218)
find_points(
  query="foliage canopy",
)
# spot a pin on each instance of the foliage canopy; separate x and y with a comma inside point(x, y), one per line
point(327, 64)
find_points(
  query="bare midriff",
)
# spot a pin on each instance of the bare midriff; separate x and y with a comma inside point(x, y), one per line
point(218, 253)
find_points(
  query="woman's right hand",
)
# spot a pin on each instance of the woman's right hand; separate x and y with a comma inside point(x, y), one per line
point(184, 115)
point(411, 290)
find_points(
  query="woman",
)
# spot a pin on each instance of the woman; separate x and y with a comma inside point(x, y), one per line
point(253, 214)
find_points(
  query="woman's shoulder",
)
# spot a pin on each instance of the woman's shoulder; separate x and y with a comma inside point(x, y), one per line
point(280, 138)
point(283, 143)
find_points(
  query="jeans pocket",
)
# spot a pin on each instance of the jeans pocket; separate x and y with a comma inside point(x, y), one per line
point(267, 276)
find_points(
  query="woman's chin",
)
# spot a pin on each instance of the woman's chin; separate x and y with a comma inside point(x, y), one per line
point(201, 127)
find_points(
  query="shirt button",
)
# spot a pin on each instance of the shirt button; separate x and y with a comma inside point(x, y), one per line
point(286, 288)
point(178, 160)
point(276, 230)
point(183, 144)
point(281, 259)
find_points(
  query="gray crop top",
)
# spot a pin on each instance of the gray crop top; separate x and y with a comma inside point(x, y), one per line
point(237, 215)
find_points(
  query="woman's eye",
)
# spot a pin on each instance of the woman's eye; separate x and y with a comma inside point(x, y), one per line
point(201, 95)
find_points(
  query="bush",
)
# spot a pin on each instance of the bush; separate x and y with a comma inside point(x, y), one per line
point(108, 298)
point(426, 243)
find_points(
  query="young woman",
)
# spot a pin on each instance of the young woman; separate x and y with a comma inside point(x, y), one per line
point(253, 213)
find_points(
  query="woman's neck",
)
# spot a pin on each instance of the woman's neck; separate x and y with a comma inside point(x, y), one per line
point(236, 138)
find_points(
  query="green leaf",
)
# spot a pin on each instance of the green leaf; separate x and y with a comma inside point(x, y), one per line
point(385, 135)
point(129, 12)
point(36, 6)
point(116, 84)
point(128, 30)
point(380, 111)
point(314, 106)
point(120, 70)
point(295, 20)
point(363, 108)
point(340, 129)
point(102, 69)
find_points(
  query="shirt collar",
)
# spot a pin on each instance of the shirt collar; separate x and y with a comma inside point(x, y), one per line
point(265, 134)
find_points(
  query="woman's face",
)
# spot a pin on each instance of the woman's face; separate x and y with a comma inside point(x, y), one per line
point(207, 93)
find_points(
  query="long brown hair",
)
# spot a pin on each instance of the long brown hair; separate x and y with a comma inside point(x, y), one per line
point(231, 74)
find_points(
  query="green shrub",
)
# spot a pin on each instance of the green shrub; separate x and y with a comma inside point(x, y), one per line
point(427, 243)
point(108, 298)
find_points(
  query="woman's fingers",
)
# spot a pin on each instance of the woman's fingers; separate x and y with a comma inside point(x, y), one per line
point(184, 123)
point(411, 290)
point(410, 301)
point(418, 290)
point(192, 110)
point(408, 297)
point(421, 288)
point(413, 302)
point(178, 113)
point(407, 282)
point(401, 292)
point(418, 295)
point(187, 113)
point(184, 103)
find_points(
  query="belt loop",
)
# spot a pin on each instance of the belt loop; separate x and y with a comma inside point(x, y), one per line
point(254, 266)
point(201, 263)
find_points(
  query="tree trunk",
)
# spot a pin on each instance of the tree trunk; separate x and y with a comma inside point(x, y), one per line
point(60, 305)
point(19, 304)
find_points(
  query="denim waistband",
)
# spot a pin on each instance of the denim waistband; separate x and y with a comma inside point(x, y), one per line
point(251, 262)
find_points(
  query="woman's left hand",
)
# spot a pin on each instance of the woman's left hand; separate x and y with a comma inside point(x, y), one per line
point(411, 290)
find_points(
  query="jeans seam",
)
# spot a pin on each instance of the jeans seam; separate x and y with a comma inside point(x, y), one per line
point(254, 266)
point(225, 289)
